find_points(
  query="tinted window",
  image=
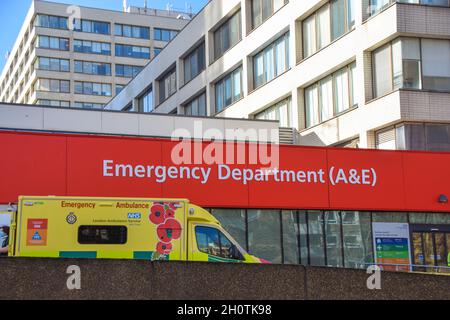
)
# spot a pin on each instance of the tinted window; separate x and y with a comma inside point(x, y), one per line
point(102, 235)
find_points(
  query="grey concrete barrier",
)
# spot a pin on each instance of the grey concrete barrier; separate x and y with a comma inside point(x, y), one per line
point(143, 280)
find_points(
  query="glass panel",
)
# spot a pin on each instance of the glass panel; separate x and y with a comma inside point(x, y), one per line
point(256, 13)
point(290, 237)
point(281, 62)
point(337, 18)
point(237, 84)
point(353, 85)
point(303, 226)
point(429, 251)
point(357, 235)
point(436, 64)
point(309, 36)
point(264, 236)
point(316, 241)
point(341, 90)
point(326, 99)
point(333, 239)
point(441, 256)
point(233, 220)
point(390, 217)
point(269, 64)
point(208, 240)
point(382, 71)
point(312, 106)
point(429, 218)
point(323, 27)
point(259, 70)
point(418, 255)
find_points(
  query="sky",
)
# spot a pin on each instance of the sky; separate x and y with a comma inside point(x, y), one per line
point(13, 12)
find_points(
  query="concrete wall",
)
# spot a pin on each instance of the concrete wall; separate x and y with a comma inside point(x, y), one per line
point(23, 117)
point(137, 280)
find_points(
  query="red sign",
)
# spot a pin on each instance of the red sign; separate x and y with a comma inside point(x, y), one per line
point(37, 232)
point(303, 178)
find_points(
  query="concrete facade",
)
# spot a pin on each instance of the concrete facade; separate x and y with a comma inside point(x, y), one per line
point(359, 125)
point(19, 76)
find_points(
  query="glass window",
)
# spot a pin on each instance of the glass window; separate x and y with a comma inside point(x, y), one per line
point(229, 89)
point(290, 237)
point(278, 112)
point(167, 85)
point(197, 107)
point(194, 63)
point(326, 99)
point(390, 217)
point(337, 18)
point(264, 234)
point(304, 244)
point(382, 73)
point(316, 240)
point(263, 9)
point(164, 34)
point(323, 27)
point(333, 239)
point(102, 235)
point(436, 64)
point(311, 106)
point(227, 35)
point(357, 235)
point(378, 5)
point(429, 218)
point(213, 242)
point(146, 101)
point(233, 220)
point(341, 90)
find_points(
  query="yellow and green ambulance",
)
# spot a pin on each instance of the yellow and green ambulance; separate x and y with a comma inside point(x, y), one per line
point(120, 228)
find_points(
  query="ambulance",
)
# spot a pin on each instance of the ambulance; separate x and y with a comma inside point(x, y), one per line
point(120, 228)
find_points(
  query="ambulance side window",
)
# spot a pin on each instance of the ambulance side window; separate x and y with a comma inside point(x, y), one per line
point(102, 235)
point(212, 241)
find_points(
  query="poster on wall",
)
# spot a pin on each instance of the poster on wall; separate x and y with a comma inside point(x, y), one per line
point(5, 224)
point(391, 244)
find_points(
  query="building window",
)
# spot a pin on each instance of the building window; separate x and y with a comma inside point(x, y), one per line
point(156, 51)
point(119, 88)
point(52, 64)
point(379, 5)
point(196, 107)
point(91, 88)
point(53, 103)
point(88, 105)
point(436, 64)
point(123, 30)
point(233, 220)
point(228, 90)
point(91, 26)
point(94, 68)
point(54, 22)
point(264, 237)
point(127, 71)
point(145, 101)
point(327, 24)
point(385, 139)
point(263, 9)
point(52, 85)
point(423, 136)
point(330, 96)
point(92, 47)
point(271, 62)
point(279, 112)
point(227, 35)
point(53, 43)
point(194, 63)
point(412, 63)
point(123, 50)
point(164, 34)
point(167, 85)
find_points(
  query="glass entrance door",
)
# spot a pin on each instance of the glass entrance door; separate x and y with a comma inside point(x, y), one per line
point(430, 248)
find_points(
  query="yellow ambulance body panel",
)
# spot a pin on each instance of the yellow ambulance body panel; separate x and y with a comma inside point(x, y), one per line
point(121, 228)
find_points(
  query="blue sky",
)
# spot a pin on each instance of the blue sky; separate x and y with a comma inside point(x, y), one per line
point(13, 12)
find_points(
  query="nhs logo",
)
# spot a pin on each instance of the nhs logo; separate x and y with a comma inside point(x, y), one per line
point(132, 215)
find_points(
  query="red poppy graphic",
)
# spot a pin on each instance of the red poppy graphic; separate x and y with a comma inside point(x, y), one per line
point(169, 230)
point(164, 248)
point(157, 215)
